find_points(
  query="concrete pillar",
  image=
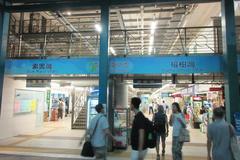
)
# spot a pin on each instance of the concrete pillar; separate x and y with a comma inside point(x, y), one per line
point(4, 27)
point(230, 60)
point(121, 94)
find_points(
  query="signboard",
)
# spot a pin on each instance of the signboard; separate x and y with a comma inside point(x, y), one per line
point(214, 89)
point(38, 83)
point(165, 94)
point(52, 66)
point(147, 83)
point(119, 65)
point(166, 64)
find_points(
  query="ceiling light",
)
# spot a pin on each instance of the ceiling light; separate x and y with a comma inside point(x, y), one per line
point(113, 51)
point(98, 28)
point(151, 40)
point(149, 50)
point(69, 13)
point(153, 26)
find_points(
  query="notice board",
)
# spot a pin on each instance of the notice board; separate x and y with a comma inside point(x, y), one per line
point(27, 101)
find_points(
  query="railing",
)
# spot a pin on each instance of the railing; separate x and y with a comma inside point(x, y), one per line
point(191, 40)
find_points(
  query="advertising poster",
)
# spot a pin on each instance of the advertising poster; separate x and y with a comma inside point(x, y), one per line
point(27, 101)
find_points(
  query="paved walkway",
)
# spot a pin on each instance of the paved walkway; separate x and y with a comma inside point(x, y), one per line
point(56, 141)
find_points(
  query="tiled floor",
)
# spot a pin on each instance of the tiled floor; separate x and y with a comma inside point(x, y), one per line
point(56, 139)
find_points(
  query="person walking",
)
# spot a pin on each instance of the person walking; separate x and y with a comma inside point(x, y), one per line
point(218, 137)
point(98, 139)
point(138, 135)
point(177, 121)
point(150, 109)
point(160, 122)
point(60, 108)
point(164, 106)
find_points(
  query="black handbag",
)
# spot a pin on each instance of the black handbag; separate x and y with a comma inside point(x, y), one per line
point(87, 150)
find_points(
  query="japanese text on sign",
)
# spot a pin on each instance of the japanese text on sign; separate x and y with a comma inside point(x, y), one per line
point(183, 64)
point(42, 66)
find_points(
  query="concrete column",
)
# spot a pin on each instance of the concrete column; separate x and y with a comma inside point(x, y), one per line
point(103, 55)
point(4, 26)
point(121, 94)
point(230, 59)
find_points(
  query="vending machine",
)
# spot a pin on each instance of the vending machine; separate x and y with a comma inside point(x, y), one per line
point(121, 128)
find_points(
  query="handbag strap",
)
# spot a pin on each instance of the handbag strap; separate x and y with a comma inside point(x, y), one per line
point(180, 121)
point(91, 135)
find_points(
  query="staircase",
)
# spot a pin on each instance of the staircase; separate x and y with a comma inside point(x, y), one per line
point(81, 121)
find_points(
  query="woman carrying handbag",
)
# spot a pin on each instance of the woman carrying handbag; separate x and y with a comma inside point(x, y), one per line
point(177, 121)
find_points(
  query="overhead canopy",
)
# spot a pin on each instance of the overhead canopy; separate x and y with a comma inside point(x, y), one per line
point(46, 5)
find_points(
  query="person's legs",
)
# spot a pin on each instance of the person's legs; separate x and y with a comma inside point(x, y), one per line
point(135, 154)
point(152, 110)
point(177, 149)
point(174, 148)
point(157, 144)
point(58, 113)
point(100, 153)
point(163, 141)
point(144, 153)
point(61, 113)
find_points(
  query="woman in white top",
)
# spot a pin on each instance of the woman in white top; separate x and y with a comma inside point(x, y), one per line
point(177, 121)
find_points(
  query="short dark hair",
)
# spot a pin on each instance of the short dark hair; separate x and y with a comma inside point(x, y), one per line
point(99, 107)
point(218, 112)
point(177, 106)
point(136, 101)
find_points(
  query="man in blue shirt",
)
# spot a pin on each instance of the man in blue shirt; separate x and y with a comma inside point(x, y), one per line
point(218, 137)
point(98, 139)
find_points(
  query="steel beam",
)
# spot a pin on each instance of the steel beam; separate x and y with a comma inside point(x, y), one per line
point(230, 60)
point(4, 26)
point(55, 5)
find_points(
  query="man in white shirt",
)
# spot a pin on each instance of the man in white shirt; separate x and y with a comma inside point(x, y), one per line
point(164, 106)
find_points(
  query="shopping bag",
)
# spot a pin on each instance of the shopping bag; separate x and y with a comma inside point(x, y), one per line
point(87, 150)
point(184, 135)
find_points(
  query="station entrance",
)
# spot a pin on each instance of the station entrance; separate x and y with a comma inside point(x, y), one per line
point(196, 94)
point(61, 59)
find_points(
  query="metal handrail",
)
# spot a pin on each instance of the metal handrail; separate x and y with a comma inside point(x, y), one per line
point(182, 40)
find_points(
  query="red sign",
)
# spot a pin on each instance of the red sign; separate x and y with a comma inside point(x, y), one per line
point(212, 89)
point(195, 98)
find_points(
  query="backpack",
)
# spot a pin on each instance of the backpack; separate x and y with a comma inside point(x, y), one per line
point(159, 122)
point(151, 135)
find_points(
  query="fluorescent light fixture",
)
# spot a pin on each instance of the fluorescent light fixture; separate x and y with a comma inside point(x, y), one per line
point(98, 28)
point(113, 51)
point(149, 50)
point(153, 27)
point(151, 40)
point(69, 13)
point(55, 85)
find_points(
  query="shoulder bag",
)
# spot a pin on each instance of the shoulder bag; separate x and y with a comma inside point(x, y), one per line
point(87, 150)
point(184, 135)
point(234, 144)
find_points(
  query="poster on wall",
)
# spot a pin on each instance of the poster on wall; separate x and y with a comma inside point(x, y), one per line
point(26, 101)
